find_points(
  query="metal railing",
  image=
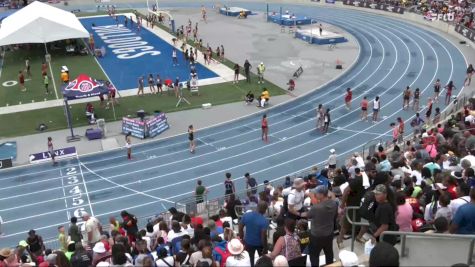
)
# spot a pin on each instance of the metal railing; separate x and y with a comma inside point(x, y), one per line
point(354, 223)
point(434, 236)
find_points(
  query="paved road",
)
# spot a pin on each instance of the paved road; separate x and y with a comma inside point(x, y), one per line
point(393, 55)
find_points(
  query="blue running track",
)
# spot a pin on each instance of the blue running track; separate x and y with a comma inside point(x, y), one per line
point(393, 54)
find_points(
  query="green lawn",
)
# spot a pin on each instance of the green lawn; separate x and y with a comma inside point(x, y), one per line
point(24, 123)
point(14, 61)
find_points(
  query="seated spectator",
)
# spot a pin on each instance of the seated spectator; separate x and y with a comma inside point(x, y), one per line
point(90, 113)
point(70, 250)
point(238, 256)
point(163, 260)
point(197, 255)
point(214, 229)
point(383, 254)
point(440, 226)
point(187, 226)
point(249, 98)
point(463, 194)
point(100, 254)
point(61, 259)
point(463, 222)
point(264, 261)
point(404, 213)
point(279, 230)
point(176, 215)
point(444, 210)
point(207, 259)
point(304, 235)
point(288, 245)
point(264, 98)
point(281, 261)
point(80, 257)
point(183, 256)
point(230, 205)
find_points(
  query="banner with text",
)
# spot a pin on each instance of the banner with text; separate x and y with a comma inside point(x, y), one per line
point(467, 32)
point(383, 7)
point(6, 163)
point(61, 153)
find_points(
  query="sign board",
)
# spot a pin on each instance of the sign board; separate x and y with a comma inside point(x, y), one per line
point(384, 7)
point(135, 126)
point(6, 163)
point(61, 153)
point(148, 128)
point(468, 33)
point(298, 72)
point(156, 125)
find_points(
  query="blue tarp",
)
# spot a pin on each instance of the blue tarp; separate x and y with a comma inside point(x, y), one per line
point(8, 150)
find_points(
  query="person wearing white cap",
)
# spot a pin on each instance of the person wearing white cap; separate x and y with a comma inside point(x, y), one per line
point(239, 257)
point(260, 72)
point(332, 159)
point(100, 254)
point(295, 200)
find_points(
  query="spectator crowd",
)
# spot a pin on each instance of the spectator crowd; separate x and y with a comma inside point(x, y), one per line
point(425, 185)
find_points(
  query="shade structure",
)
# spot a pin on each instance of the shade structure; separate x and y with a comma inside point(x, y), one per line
point(40, 23)
point(83, 87)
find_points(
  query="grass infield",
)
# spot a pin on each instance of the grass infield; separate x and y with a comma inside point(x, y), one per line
point(24, 123)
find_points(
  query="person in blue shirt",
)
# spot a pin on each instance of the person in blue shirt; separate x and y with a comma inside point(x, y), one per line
point(323, 178)
point(255, 237)
point(464, 220)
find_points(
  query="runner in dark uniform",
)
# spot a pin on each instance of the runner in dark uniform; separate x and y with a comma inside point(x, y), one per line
point(450, 87)
point(436, 90)
point(415, 104)
point(191, 138)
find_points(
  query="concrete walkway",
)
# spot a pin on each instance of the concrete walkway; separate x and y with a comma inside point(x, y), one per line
point(318, 63)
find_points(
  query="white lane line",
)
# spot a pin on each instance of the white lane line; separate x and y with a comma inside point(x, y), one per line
point(435, 72)
point(254, 129)
point(370, 127)
point(85, 186)
point(355, 131)
point(394, 64)
point(207, 144)
point(64, 194)
point(406, 69)
point(122, 186)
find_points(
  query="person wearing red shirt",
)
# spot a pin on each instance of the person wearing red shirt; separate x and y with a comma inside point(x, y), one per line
point(400, 129)
point(395, 132)
point(265, 128)
point(195, 220)
point(21, 81)
point(348, 97)
point(364, 109)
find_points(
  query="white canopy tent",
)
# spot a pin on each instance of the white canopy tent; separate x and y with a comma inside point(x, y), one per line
point(40, 23)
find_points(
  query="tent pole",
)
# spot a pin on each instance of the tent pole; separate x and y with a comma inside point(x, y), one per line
point(51, 71)
point(73, 137)
point(113, 110)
